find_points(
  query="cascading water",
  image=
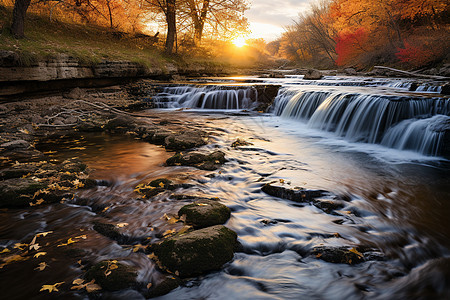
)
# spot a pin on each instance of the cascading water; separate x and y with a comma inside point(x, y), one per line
point(207, 97)
point(400, 122)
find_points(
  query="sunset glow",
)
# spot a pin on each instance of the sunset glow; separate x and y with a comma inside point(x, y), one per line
point(239, 42)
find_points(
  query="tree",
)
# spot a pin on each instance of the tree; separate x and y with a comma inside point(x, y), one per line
point(19, 12)
point(168, 8)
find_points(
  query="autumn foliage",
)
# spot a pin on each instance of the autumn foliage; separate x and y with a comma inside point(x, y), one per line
point(363, 33)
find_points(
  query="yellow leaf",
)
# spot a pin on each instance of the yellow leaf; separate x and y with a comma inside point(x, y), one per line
point(152, 256)
point(183, 218)
point(39, 254)
point(92, 287)
point(51, 287)
point(149, 285)
point(34, 247)
point(202, 204)
point(44, 233)
point(161, 184)
point(184, 229)
point(6, 250)
point(356, 252)
point(41, 266)
point(105, 209)
point(20, 246)
point(169, 232)
point(107, 273)
point(78, 281)
point(113, 267)
point(81, 237)
point(137, 247)
point(120, 225)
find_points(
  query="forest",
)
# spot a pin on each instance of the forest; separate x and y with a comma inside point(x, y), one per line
point(409, 34)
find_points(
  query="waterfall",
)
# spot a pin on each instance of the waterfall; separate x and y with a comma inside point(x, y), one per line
point(399, 122)
point(207, 97)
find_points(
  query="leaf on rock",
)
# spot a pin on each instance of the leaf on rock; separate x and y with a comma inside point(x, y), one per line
point(120, 225)
point(39, 254)
point(356, 252)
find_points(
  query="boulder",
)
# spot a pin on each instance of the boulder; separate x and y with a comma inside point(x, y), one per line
point(18, 192)
point(184, 140)
point(112, 275)
point(163, 287)
point(202, 161)
point(121, 124)
point(196, 252)
point(297, 195)
point(350, 71)
point(205, 213)
point(313, 75)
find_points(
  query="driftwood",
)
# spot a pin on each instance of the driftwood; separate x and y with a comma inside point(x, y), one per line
point(412, 74)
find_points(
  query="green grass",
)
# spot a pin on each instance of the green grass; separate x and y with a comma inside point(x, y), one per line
point(88, 44)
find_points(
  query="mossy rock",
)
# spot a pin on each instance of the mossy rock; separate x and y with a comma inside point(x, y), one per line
point(18, 192)
point(161, 181)
point(184, 140)
point(111, 231)
point(121, 276)
point(205, 213)
point(159, 136)
point(164, 287)
point(202, 161)
point(121, 124)
point(197, 252)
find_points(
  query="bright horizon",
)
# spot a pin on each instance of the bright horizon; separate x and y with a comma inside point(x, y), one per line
point(268, 22)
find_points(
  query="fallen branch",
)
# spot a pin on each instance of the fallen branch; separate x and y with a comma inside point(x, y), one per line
point(411, 73)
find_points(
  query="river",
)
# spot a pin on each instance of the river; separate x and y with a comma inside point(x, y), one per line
point(340, 134)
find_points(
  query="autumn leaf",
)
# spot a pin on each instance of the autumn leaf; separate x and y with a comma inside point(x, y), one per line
point(51, 287)
point(149, 285)
point(120, 225)
point(138, 247)
point(41, 266)
point(20, 246)
point(184, 229)
point(6, 250)
point(353, 250)
point(89, 286)
point(69, 241)
point(161, 184)
point(169, 232)
point(39, 254)
point(201, 204)
point(81, 237)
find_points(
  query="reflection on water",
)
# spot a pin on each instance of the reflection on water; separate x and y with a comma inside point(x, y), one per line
point(397, 206)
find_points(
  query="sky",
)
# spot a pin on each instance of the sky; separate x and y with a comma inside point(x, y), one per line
point(267, 17)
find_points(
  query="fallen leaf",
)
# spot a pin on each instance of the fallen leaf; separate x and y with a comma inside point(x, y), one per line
point(39, 254)
point(356, 252)
point(78, 281)
point(44, 233)
point(81, 237)
point(169, 232)
point(20, 246)
point(51, 287)
point(6, 250)
point(202, 204)
point(184, 229)
point(92, 287)
point(105, 209)
point(120, 225)
point(41, 266)
point(149, 285)
point(161, 184)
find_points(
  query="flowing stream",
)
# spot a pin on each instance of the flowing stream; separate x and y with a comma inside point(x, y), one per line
point(369, 140)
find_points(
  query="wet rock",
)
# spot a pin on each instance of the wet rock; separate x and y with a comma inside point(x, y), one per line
point(110, 231)
point(205, 213)
point(240, 143)
point(445, 89)
point(17, 144)
point(155, 187)
point(161, 182)
point(350, 71)
point(339, 255)
point(202, 161)
point(168, 284)
point(121, 124)
point(119, 276)
point(73, 165)
point(197, 252)
point(18, 192)
point(184, 140)
point(313, 75)
point(9, 173)
point(91, 126)
point(327, 206)
point(300, 195)
point(160, 135)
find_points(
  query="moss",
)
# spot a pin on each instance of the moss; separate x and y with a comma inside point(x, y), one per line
point(197, 252)
point(205, 213)
point(120, 278)
point(18, 192)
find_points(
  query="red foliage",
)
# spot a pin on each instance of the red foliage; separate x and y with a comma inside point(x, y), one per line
point(349, 45)
point(414, 55)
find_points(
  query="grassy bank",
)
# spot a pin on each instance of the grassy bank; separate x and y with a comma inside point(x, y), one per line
point(89, 44)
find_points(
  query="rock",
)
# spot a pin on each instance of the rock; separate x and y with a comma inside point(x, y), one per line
point(121, 124)
point(161, 182)
point(202, 161)
point(112, 232)
point(313, 75)
point(339, 255)
point(327, 206)
point(205, 213)
point(76, 94)
point(300, 195)
point(121, 276)
point(155, 187)
point(197, 252)
point(17, 144)
point(184, 140)
point(413, 86)
point(159, 136)
point(445, 89)
point(350, 71)
point(90, 126)
point(168, 284)
point(18, 192)
point(240, 143)
point(9, 58)
point(73, 165)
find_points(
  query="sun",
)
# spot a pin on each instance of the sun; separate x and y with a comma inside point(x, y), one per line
point(239, 42)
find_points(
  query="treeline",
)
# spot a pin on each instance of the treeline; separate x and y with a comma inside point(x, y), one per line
point(364, 33)
point(186, 22)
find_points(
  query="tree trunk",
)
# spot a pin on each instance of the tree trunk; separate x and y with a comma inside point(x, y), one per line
point(171, 26)
point(108, 4)
point(19, 12)
point(199, 23)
